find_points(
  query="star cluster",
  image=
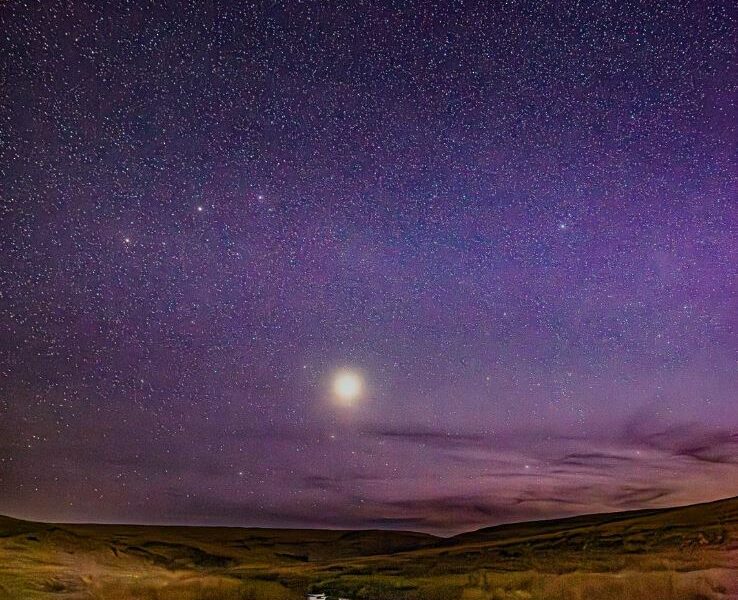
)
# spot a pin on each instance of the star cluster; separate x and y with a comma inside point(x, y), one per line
point(517, 220)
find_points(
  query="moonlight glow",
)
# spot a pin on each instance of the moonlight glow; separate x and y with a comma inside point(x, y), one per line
point(347, 387)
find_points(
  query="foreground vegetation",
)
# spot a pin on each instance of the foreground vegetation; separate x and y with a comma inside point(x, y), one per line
point(680, 554)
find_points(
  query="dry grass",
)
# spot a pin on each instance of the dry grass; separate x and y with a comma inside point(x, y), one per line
point(204, 588)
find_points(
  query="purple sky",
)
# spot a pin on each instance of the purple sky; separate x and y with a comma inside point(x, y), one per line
point(517, 222)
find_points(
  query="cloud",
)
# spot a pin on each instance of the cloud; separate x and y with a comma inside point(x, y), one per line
point(593, 459)
point(629, 496)
point(690, 440)
point(429, 437)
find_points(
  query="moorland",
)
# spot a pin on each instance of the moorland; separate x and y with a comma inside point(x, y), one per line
point(685, 553)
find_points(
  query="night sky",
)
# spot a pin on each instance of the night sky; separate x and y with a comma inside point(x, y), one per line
point(511, 227)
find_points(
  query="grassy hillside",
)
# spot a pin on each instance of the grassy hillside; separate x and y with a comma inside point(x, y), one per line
point(682, 553)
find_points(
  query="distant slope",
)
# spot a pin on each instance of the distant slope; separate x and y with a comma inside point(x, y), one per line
point(252, 544)
point(10, 526)
point(685, 517)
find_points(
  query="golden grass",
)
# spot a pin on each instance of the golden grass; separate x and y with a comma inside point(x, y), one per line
point(204, 588)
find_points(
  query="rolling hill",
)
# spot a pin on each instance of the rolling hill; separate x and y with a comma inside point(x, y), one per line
point(679, 553)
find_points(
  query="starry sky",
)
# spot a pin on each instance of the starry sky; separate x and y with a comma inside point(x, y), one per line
point(515, 223)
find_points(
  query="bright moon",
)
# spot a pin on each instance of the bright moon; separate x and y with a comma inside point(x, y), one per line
point(347, 387)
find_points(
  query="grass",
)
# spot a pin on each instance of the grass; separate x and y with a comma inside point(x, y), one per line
point(205, 588)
